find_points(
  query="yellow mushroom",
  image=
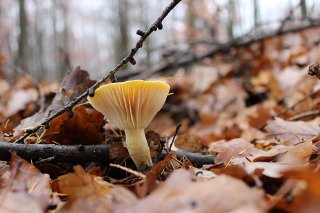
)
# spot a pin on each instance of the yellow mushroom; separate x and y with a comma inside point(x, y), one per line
point(131, 106)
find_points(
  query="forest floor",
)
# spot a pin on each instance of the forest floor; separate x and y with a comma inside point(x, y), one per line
point(250, 116)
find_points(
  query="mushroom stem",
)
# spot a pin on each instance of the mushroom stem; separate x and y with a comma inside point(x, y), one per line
point(138, 147)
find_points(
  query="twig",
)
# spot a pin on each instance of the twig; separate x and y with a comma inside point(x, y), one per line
point(305, 115)
point(128, 59)
point(197, 159)
point(40, 153)
point(80, 153)
point(223, 48)
point(311, 95)
point(174, 136)
point(138, 174)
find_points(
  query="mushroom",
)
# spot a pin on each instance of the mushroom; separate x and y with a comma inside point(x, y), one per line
point(131, 106)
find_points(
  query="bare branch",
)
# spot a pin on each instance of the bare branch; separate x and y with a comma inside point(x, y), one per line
point(221, 48)
point(44, 153)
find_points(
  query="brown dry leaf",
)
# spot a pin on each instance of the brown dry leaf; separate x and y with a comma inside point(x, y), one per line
point(83, 128)
point(24, 185)
point(118, 152)
point(264, 155)
point(155, 144)
point(291, 72)
point(4, 167)
point(230, 149)
point(77, 82)
point(38, 184)
point(5, 87)
point(152, 176)
point(86, 193)
point(202, 77)
point(162, 124)
point(267, 79)
point(259, 114)
point(305, 192)
point(235, 171)
point(291, 132)
point(299, 153)
point(19, 202)
point(19, 99)
point(189, 142)
point(181, 192)
point(122, 199)
point(180, 87)
point(270, 169)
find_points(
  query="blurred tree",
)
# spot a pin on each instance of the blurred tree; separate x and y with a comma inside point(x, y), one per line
point(303, 8)
point(122, 40)
point(256, 13)
point(231, 18)
point(61, 38)
point(39, 31)
point(191, 19)
point(22, 59)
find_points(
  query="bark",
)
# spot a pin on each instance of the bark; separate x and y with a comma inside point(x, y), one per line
point(303, 8)
point(22, 59)
point(122, 40)
point(256, 13)
point(40, 153)
point(231, 18)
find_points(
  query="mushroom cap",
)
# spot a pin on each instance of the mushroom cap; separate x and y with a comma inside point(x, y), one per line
point(130, 104)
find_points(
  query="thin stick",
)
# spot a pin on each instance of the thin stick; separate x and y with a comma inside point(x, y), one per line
point(40, 153)
point(219, 49)
point(174, 136)
point(304, 115)
point(136, 173)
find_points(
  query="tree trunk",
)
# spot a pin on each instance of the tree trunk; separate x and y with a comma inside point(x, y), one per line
point(231, 16)
point(39, 42)
point(22, 59)
point(256, 13)
point(122, 42)
point(64, 63)
point(303, 8)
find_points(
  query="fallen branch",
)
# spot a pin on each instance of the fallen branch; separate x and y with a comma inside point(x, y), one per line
point(40, 153)
point(222, 48)
point(128, 59)
point(45, 153)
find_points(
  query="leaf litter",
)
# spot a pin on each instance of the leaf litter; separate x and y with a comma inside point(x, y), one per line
point(263, 159)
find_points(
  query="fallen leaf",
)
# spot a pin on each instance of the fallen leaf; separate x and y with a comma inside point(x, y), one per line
point(83, 128)
point(77, 82)
point(122, 199)
point(305, 193)
point(24, 185)
point(155, 144)
point(291, 132)
point(299, 153)
point(181, 192)
point(162, 124)
point(86, 193)
point(230, 149)
point(258, 115)
point(4, 167)
point(189, 142)
point(151, 179)
point(38, 184)
point(264, 155)
point(270, 169)
point(19, 99)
